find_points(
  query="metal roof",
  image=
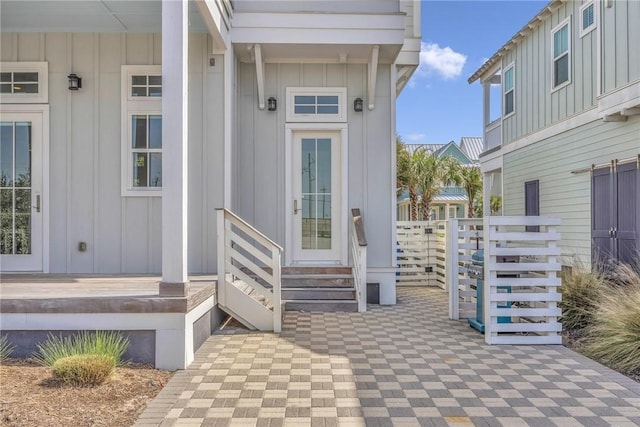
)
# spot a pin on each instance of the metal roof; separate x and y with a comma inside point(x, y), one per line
point(535, 22)
point(450, 198)
point(472, 147)
point(431, 148)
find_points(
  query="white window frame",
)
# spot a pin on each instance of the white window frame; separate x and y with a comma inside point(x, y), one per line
point(557, 28)
point(131, 106)
point(585, 31)
point(511, 66)
point(42, 97)
point(340, 92)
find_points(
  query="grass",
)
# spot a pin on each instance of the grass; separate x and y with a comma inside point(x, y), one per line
point(581, 291)
point(5, 348)
point(84, 369)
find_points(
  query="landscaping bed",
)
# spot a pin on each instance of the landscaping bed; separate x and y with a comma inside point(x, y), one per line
point(30, 396)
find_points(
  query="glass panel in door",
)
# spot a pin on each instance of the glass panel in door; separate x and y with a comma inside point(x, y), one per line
point(316, 194)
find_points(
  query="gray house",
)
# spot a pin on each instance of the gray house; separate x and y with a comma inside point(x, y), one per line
point(567, 142)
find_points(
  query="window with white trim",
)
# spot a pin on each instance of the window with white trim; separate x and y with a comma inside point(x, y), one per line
point(141, 130)
point(587, 18)
point(509, 89)
point(316, 104)
point(561, 54)
point(24, 82)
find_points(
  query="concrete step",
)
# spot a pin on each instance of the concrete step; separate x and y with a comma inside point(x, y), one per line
point(315, 270)
point(318, 293)
point(317, 280)
point(322, 306)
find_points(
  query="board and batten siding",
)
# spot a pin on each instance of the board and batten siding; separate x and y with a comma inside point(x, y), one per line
point(123, 234)
point(563, 193)
point(537, 105)
point(258, 183)
point(620, 44)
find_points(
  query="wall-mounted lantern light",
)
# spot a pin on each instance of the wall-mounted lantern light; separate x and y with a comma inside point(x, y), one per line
point(272, 104)
point(357, 105)
point(75, 82)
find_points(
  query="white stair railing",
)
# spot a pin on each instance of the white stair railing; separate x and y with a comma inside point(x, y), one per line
point(247, 254)
point(359, 253)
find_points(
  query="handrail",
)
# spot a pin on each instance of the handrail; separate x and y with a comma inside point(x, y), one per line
point(233, 263)
point(359, 252)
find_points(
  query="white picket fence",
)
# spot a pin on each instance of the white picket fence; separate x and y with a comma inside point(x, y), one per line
point(420, 253)
point(464, 238)
point(521, 298)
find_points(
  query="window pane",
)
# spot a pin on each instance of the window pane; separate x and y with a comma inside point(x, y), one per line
point(155, 91)
point(328, 100)
point(508, 79)
point(6, 154)
point(308, 163)
point(6, 221)
point(323, 169)
point(23, 222)
point(5, 88)
point(25, 88)
point(5, 77)
point(327, 109)
point(155, 131)
point(155, 80)
point(308, 109)
point(324, 222)
point(139, 131)
point(138, 91)
point(508, 102)
point(561, 41)
point(587, 17)
point(304, 100)
point(561, 70)
point(23, 154)
point(138, 80)
point(308, 222)
point(140, 169)
point(25, 77)
point(155, 169)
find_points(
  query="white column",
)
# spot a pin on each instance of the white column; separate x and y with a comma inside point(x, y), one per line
point(486, 195)
point(175, 25)
point(486, 98)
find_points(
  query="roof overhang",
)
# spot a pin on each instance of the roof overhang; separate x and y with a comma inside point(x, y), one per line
point(491, 66)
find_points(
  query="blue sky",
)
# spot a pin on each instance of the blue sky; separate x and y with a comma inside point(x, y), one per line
point(438, 105)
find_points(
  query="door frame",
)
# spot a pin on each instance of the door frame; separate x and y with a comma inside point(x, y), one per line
point(43, 111)
point(290, 130)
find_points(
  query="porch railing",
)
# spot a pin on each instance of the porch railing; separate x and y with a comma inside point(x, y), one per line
point(359, 253)
point(247, 254)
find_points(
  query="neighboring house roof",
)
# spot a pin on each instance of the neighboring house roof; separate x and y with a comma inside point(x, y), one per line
point(472, 147)
point(535, 22)
point(447, 194)
point(431, 148)
point(448, 149)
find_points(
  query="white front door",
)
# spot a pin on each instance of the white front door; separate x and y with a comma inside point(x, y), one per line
point(21, 192)
point(317, 197)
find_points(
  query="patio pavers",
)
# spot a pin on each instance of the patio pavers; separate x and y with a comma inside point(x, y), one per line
point(402, 365)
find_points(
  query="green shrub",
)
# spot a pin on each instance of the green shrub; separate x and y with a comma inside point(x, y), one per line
point(581, 291)
point(614, 336)
point(103, 343)
point(5, 348)
point(84, 369)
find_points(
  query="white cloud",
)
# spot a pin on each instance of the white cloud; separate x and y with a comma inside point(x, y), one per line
point(414, 137)
point(443, 60)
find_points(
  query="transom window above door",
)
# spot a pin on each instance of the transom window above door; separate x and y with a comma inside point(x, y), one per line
point(24, 82)
point(316, 104)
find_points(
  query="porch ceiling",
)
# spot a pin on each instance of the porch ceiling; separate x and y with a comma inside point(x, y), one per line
point(325, 53)
point(136, 16)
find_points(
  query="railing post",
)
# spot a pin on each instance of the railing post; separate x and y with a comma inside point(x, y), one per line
point(220, 225)
point(451, 259)
point(277, 285)
point(362, 295)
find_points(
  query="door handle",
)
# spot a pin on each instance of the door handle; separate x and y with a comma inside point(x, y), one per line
point(615, 232)
point(37, 206)
point(295, 207)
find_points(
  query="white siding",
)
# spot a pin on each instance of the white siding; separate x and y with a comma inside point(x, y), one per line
point(562, 193)
point(620, 50)
point(259, 169)
point(123, 234)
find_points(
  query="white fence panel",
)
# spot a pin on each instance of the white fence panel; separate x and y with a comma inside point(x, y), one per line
point(521, 281)
point(464, 238)
point(417, 251)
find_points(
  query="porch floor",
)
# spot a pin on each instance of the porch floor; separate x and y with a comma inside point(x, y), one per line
point(405, 365)
point(63, 293)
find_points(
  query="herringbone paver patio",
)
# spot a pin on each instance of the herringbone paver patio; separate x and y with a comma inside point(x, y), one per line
point(403, 365)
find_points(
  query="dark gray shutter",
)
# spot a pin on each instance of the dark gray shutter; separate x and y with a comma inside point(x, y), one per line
point(532, 202)
point(602, 215)
point(627, 232)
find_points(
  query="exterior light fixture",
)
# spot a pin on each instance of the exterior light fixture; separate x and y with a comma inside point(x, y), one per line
point(272, 104)
point(357, 105)
point(75, 82)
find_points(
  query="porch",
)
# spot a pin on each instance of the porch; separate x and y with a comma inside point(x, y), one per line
point(165, 331)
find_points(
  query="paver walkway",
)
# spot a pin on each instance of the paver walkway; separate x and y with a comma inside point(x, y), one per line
point(403, 365)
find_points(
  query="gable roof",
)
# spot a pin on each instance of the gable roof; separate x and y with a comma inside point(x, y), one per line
point(535, 22)
point(441, 150)
point(472, 147)
point(431, 148)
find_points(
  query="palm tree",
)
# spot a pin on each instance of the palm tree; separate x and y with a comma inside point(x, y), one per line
point(470, 178)
point(435, 173)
